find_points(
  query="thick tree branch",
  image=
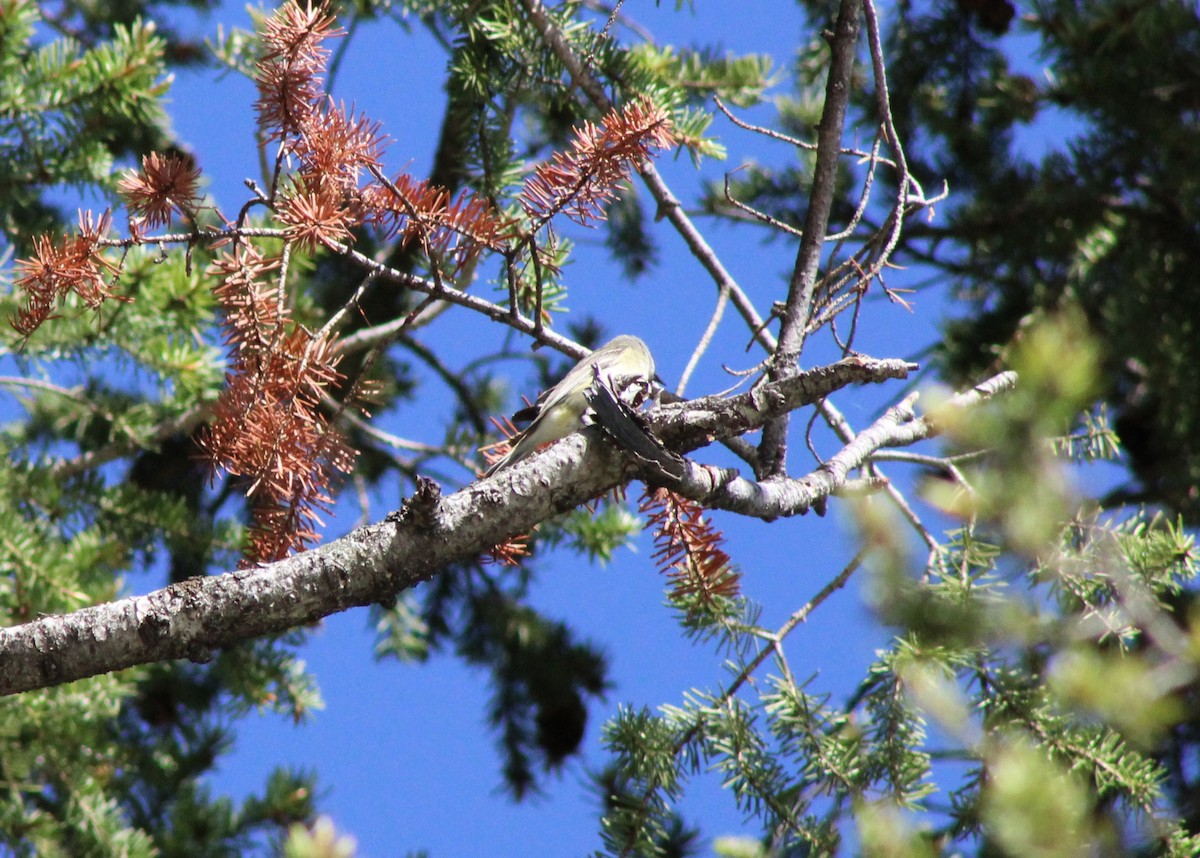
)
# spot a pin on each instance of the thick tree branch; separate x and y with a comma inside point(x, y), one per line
point(768, 499)
point(373, 563)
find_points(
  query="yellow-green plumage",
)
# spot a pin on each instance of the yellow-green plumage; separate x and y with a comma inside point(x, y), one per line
point(558, 412)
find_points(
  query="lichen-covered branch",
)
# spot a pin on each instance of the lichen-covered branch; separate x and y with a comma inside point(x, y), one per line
point(374, 563)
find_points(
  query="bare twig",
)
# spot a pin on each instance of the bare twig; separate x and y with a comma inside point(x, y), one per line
point(336, 319)
point(842, 428)
point(705, 339)
point(761, 217)
point(798, 307)
point(615, 16)
point(787, 138)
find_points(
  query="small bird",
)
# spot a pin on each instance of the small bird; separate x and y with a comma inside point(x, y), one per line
point(627, 365)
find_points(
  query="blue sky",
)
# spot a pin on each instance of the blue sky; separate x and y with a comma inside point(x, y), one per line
point(402, 751)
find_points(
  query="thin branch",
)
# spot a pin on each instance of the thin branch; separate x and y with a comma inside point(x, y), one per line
point(755, 214)
point(387, 439)
point(787, 138)
point(945, 464)
point(800, 615)
point(614, 15)
point(455, 381)
point(369, 338)
point(841, 427)
point(705, 340)
point(336, 319)
point(670, 208)
point(747, 671)
point(863, 198)
point(798, 307)
point(183, 424)
point(903, 179)
point(668, 205)
point(76, 395)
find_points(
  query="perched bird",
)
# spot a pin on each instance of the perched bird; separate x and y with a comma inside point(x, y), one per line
point(627, 365)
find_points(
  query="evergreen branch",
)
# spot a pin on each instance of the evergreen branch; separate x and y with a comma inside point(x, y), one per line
point(72, 265)
point(417, 210)
point(363, 339)
point(267, 425)
point(315, 214)
point(688, 550)
point(726, 697)
point(183, 424)
point(289, 69)
point(165, 185)
point(581, 182)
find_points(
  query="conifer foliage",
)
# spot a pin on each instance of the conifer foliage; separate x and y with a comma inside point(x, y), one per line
point(268, 426)
point(200, 388)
